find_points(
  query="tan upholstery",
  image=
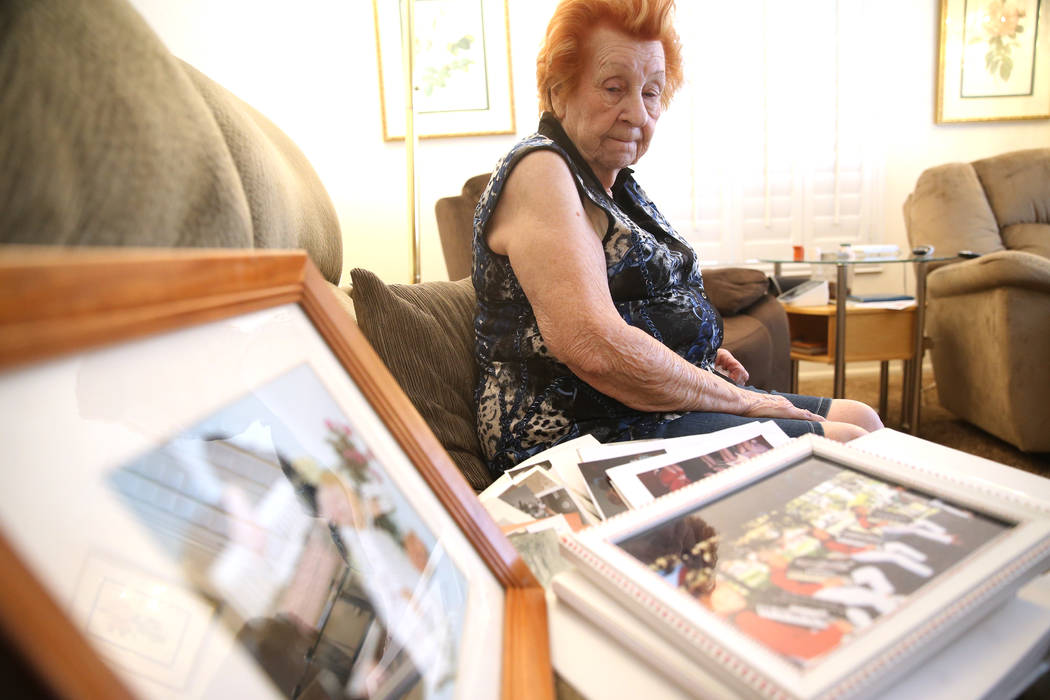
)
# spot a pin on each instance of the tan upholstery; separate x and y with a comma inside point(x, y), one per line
point(989, 318)
point(108, 139)
point(756, 328)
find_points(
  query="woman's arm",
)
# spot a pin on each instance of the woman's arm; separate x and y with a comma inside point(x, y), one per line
point(555, 249)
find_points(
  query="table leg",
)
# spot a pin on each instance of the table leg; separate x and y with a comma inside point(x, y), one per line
point(906, 396)
point(884, 385)
point(794, 376)
point(840, 331)
point(920, 347)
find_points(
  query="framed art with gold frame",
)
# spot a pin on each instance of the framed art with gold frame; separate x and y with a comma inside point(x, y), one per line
point(994, 61)
point(463, 84)
point(214, 486)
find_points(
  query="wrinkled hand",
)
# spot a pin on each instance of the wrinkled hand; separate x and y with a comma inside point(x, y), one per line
point(725, 361)
point(774, 406)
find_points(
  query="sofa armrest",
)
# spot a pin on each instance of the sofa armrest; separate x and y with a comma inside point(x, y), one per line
point(1007, 268)
point(733, 289)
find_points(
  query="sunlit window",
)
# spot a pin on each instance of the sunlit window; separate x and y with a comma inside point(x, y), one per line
point(774, 126)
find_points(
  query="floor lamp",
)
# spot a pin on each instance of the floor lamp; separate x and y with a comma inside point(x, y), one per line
point(411, 138)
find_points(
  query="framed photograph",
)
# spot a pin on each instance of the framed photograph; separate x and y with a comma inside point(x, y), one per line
point(994, 61)
point(641, 482)
point(814, 569)
point(215, 487)
point(462, 84)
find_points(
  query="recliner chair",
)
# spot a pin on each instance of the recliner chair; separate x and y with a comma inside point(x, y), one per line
point(989, 317)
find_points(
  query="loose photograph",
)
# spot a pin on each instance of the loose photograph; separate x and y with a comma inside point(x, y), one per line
point(641, 482)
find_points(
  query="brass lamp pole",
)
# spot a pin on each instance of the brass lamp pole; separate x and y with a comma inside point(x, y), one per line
point(411, 138)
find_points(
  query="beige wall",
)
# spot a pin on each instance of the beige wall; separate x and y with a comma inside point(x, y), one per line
point(310, 66)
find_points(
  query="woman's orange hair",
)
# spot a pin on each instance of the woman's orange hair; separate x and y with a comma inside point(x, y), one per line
point(561, 58)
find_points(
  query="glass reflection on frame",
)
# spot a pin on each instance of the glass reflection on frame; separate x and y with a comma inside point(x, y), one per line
point(808, 558)
point(281, 518)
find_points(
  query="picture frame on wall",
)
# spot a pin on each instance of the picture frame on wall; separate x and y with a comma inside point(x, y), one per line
point(463, 84)
point(215, 486)
point(812, 570)
point(994, 61)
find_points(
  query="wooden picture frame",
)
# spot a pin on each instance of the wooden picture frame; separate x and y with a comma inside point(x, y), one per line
point(179, 321)
point(778, 577)
point(994, 61)
point(463, 85)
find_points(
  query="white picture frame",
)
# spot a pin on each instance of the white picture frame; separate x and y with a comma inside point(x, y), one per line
point(1009, 543)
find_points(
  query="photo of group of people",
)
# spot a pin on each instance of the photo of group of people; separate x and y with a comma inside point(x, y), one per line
point(536, 494)
point(808, 558)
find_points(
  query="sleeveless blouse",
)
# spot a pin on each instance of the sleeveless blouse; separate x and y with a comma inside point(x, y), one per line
point(526, 399)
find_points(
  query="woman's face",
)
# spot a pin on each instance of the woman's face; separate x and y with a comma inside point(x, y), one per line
point(611, 113)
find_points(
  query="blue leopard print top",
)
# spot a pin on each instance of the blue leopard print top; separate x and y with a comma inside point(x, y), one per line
point(527, 400)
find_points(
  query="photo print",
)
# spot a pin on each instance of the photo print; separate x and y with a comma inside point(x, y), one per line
point(276, 509)
point(805, 560)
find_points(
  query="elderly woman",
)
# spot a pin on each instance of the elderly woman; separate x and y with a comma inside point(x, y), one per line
point(592, 316)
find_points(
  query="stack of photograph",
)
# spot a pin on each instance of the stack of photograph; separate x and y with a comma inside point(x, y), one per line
point(775, 568)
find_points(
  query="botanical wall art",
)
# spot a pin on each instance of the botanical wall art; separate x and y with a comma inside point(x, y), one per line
point(994, 61)
point(461, 57)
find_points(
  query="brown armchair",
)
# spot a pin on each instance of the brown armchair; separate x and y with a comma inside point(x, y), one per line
point(989, 317)
point(756, 327)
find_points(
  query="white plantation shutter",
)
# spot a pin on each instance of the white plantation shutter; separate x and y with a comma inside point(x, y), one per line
point(769, 142)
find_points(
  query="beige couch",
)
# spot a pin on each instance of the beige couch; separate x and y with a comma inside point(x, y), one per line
point(108, 139)
point(989, 317)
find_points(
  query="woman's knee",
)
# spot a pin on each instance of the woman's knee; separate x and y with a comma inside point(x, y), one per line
point(842, 432)
point(855, 413)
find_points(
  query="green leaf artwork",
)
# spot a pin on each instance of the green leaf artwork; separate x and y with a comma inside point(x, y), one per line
point(435, 77)
point(1000, 26)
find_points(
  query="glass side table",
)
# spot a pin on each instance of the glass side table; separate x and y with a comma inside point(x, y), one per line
point(913, 366)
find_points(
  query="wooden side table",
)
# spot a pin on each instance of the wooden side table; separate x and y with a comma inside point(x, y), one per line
point(872, 334)
point(913, 366)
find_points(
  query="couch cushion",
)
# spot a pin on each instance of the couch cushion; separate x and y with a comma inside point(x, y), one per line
point(425, 335)
point(733, 289)
point(108, 139)
point(1028, 238)
point(1017, 185)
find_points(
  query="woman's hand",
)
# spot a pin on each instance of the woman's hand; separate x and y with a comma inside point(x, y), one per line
point(731, 366)
point(774, 406)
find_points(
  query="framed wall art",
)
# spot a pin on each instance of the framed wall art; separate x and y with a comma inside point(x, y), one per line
point(994, 61)
point(813, 569)
point(214, 487)
point(463, 83)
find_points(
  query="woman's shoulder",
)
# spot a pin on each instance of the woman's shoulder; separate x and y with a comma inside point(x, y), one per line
point(537, 143)
point(544, 160)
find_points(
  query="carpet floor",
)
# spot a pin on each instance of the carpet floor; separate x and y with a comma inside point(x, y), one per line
point(936, 424)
